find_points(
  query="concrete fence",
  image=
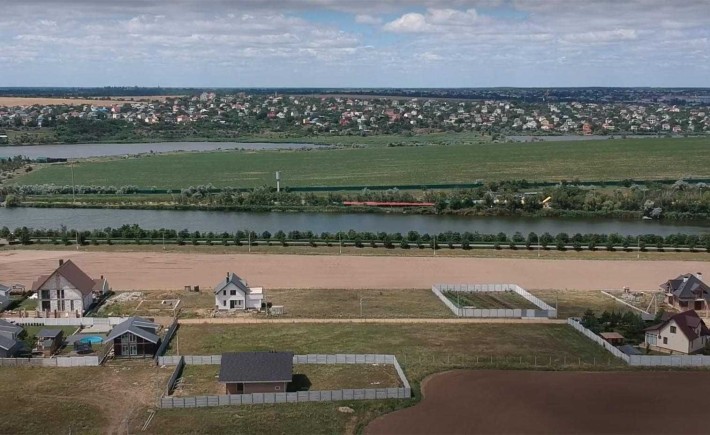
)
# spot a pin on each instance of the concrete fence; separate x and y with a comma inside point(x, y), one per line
point(404, 392)
point(297, 359)
point(297, 397)
point(597, 339)
point(60, 361)
point(644, 360)
point(68, 321)
point(544, 310)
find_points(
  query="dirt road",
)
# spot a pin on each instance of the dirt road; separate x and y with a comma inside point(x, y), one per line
point(243, 320)
point(161, 271)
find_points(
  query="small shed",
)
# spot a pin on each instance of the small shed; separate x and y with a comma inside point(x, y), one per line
point(614, 338)
point(256, 372)
point(49, 341)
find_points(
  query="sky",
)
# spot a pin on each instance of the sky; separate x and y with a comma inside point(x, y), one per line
point(355, 43)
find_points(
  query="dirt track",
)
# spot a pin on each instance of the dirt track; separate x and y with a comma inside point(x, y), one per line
point(488, 402)
point(161, 271)
point(245, 320)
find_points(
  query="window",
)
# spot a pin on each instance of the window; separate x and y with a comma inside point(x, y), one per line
point(239, 302)
point(232, 292)
point(224, 303)
point(224, 292)
point(665, 340)
point(277, 388)
point(672, 329)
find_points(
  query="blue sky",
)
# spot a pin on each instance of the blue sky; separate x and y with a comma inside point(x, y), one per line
point(356, 43)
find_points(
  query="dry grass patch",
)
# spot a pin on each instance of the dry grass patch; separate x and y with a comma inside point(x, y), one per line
point(573, 303)
point(79, 400)
point(342, 303)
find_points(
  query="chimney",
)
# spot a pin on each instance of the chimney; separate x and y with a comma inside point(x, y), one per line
point(227, 279)
point(61, 261)
point(102, 277)
point(699, 275)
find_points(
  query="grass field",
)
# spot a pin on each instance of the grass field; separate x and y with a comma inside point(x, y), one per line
point(320, 303)
point(420, 349)
point(573, 303)
point(203, 380)
point(86, 400)
point(597, 160)
point(490, 300)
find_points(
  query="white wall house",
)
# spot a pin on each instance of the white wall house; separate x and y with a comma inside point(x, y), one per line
point(67, 289)
point(683, 333)
point(233, 293)
point(4, 297)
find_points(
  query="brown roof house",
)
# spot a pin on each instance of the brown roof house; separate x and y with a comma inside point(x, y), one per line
point(687, 292)
point(256, 372)
point(683, 333)
point(68, 289)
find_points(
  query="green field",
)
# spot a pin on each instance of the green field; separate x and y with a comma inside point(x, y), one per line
point(593, 160)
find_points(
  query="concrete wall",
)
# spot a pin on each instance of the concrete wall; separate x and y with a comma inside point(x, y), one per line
point(544, 311)
point(68, 321)
point(301, 396)
point(60, 361)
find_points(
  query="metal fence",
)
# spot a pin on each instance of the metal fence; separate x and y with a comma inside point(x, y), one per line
point(644, 360)
point(60, 361)
point(166, 339)
point(404, 392)
point(174, 377)
point(544, 311)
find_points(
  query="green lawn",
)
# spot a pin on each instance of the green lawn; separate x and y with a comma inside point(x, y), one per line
point(420, 348)
point(595, 160)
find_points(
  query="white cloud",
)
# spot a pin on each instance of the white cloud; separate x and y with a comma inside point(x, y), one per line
point(367, 19)
point(262, 42)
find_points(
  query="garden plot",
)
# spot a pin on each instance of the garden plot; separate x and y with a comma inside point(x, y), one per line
point(202, 380)
point(490, 300)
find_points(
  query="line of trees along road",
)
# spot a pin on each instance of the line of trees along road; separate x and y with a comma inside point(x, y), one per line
point(133, 234)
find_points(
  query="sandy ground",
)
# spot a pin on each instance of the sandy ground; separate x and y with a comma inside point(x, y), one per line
point(519, 402)
point(30, 101)
point(161, 271)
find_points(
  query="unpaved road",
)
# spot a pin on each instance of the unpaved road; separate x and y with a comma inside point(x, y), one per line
point(161, 271)
point(241, 320)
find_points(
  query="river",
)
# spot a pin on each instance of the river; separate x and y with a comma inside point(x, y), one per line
point(219, 221)
point(79, 151)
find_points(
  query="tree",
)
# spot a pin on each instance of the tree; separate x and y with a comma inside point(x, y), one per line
point(24, 236)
